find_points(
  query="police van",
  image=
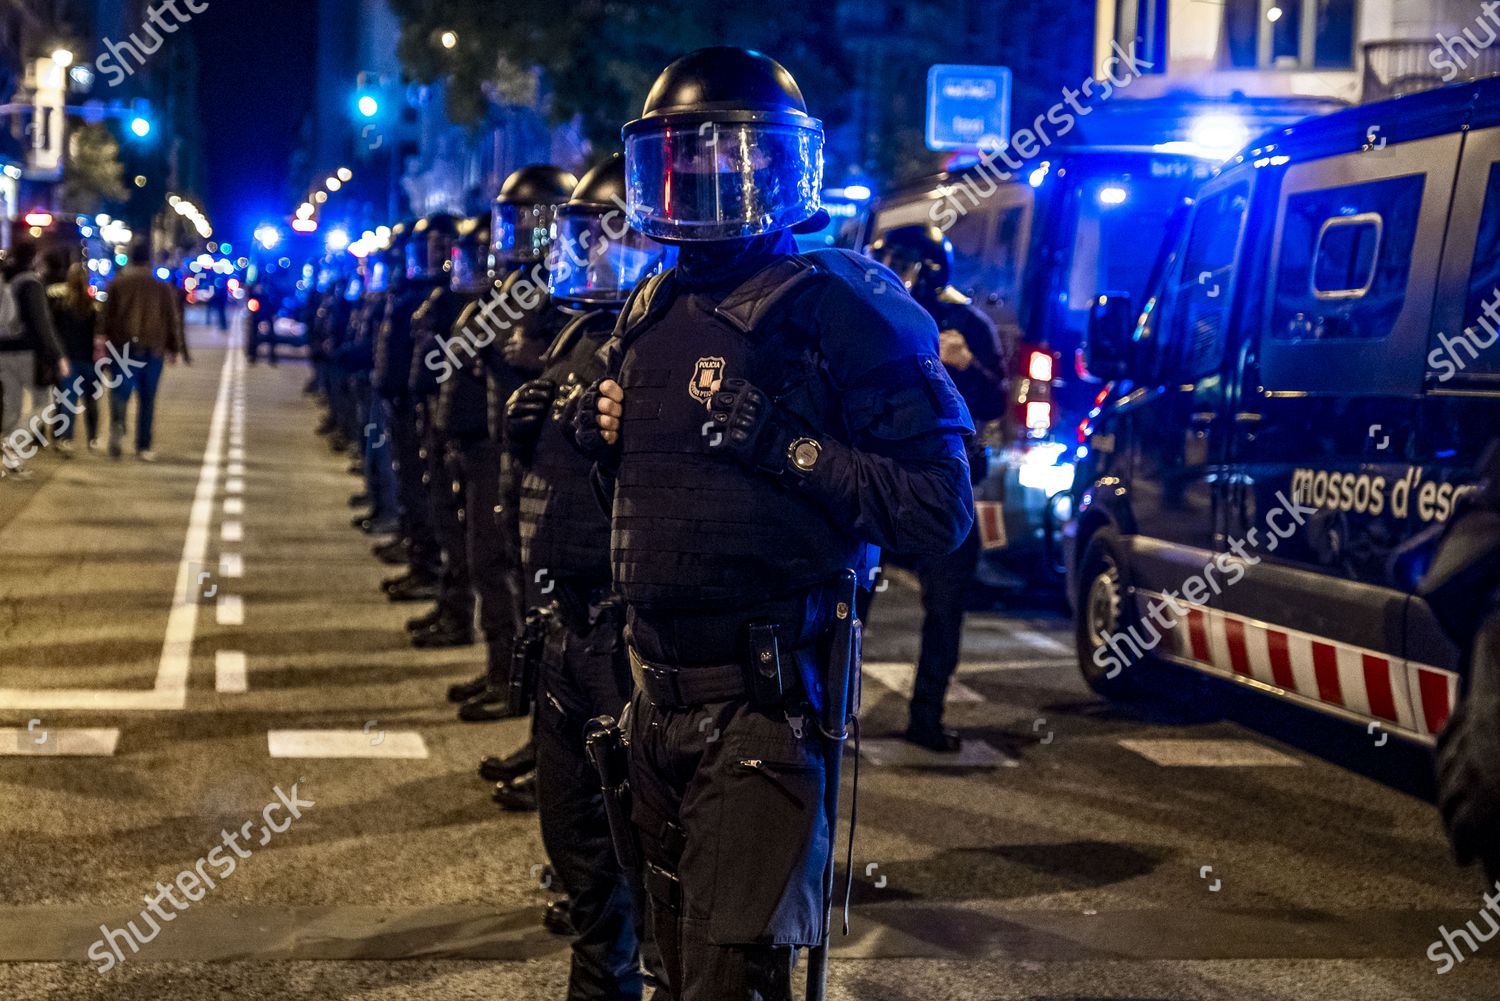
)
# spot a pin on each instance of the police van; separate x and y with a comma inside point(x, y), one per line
point(1031, 250)
point(1293, 410)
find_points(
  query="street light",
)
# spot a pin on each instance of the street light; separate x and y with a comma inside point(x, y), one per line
point(345, 174)
point(333, 184)
point(449, 39)
point(63, 57)
point(267, 236)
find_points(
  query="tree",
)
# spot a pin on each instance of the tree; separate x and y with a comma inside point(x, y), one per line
point(599, 57)
point(93, 174)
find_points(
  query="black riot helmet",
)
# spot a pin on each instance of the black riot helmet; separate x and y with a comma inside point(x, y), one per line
point(921, 256)
point(596, 258)
point(392, 257)
point(724, 150)
point(523, 213)
point(430, 247)
point(471, 257)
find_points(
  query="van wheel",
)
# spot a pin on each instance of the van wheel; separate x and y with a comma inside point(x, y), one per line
point(1104, 610)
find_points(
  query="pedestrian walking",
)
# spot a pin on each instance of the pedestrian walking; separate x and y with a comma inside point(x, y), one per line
point(29, 349)
point(143, 323)
point(75, 317)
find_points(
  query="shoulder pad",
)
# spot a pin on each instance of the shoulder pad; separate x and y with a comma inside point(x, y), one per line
point(748, 307)
point(864, 317)
point(647, 300)
point(569, 335)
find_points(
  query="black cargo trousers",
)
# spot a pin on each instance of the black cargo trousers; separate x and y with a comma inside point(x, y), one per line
point(456, 596)
point(729, 805)
point(584, 674)
point(491, 546)
point(417, 520)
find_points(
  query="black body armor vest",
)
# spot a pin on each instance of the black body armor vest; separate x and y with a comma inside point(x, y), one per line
point(693, 530)
point(563, 529)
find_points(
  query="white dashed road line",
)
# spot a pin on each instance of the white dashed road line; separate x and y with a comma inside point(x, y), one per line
point(346, 744)
point(40, 743)
point(899, 676)
point(231, 611)
point(231, 672)
point(1210, 754)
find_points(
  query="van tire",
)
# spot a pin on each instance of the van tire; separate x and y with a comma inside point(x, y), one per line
point(1104, 608)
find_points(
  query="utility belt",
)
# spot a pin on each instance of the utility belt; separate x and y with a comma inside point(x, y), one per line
point(772, 676)
point(816, 676)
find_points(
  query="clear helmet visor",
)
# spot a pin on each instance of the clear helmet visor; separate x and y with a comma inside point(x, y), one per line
point(521, 232)
point(597, 258)
point(470, 268)
point(723, 181)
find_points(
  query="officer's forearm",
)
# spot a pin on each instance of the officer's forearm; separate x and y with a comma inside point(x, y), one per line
point(909, 506)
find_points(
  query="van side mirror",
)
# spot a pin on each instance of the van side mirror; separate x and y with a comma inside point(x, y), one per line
point(1108, 350)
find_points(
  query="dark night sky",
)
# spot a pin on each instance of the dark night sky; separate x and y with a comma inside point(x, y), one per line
point(255, 88)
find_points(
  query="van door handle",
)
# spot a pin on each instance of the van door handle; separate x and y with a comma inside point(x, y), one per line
point(1203, 418)
point(1248, 417)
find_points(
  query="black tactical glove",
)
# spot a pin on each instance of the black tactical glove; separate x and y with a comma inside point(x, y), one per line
point(1469, 759)
point(744, 423)
point(587, 434)
point(526, 413)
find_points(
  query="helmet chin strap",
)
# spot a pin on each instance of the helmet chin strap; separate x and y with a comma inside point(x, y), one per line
point(704, 263)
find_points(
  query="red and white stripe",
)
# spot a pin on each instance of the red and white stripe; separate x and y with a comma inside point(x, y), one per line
point(1414, 697)
point(991, 518)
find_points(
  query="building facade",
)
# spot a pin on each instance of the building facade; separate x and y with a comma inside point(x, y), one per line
point(1337, 50)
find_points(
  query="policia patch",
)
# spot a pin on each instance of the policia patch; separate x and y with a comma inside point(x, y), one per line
point(707, 378)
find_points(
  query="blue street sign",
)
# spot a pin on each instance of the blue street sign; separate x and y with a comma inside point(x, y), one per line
point(968, 107)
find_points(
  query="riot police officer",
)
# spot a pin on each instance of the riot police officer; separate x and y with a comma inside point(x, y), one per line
point(513, 309)
point(471, 460)
point(767, 419)
point(381, 289)
point(969, 346)
point(451, 622)
point(596, 260)
point(394, 348)
point(518, 323)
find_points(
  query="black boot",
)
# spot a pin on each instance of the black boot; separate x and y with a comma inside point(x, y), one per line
point(463, 691)
point(411, 587)
point(426, 619)
point(926, 730)
point(393, 553)
point(510, 767)
point(556, 918)
point(489, 706)
point(446, 632)
point(517, 795)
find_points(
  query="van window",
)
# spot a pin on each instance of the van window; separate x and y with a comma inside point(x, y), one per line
point(1483, 302)
point(1344, 264)
point(1201, 311)
point(1345, 260)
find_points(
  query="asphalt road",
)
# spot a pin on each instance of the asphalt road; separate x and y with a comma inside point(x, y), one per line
point(161, 624)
